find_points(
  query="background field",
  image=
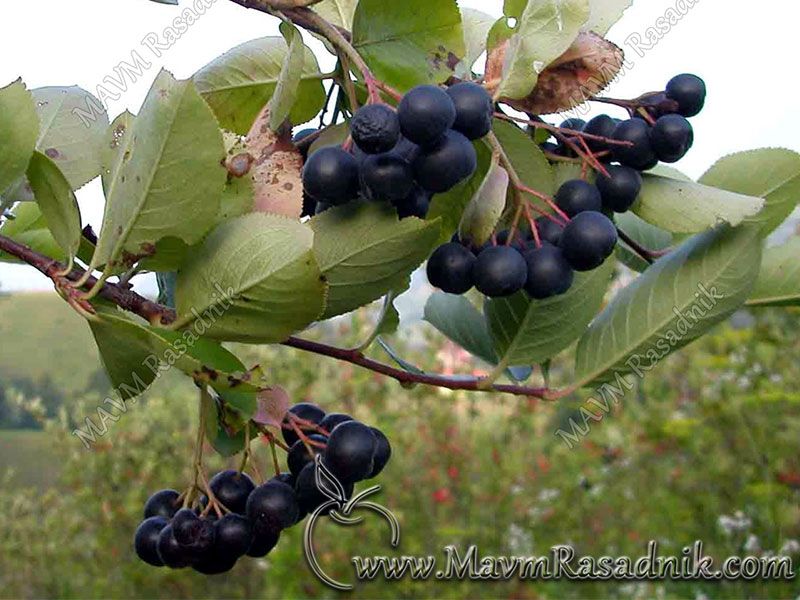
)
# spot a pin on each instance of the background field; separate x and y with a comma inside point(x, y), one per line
point(706, 448)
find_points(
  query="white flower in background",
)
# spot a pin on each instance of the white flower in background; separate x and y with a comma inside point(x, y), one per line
point(548, 494)
point(752, 545)
point(790, 547)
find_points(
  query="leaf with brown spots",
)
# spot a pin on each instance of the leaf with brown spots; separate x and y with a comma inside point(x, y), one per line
point(582, 72)
point(274, 165)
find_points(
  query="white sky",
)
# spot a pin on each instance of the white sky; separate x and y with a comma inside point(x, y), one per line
point(744, 54)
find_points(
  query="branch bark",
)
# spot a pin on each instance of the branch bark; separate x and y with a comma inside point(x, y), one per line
point(160, 315)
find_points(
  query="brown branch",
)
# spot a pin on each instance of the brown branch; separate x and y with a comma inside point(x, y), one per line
point(122, 297)
point(357, 358)
point(645, 253)
point(158, 314)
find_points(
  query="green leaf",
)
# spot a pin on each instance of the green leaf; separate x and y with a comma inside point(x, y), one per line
point(338, 12)
point(19, 128)
point(476, 25)
point(778, 282)
point(285, 94)
point(483, 212)
point(388, 319)
point(770, 173)
point(687, 207)
point(545, 29)
point(605, 13)
point(238, 84)
point(449, 207)
point(680, 297)
point(364, 251)
point(73, 123)
point(115, 149)
point(224, 442)
point(458, 320)
point(166, 179)
point(529, 331)
point(333, 135)
point(134, 354)
point(649, 236)
point(56, 201)
point(529, 161)
point(409, 43)
point(29, 227)
point(254, 279)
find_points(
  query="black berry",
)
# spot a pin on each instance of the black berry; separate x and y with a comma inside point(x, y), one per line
point(234, 534)
point(518, 242)
point(602, 126)
point(441, 166)
point(576, 196)
point(426, 113)
point(264, 540)
point(640, 155)
point(171, 553)
point(450, 268)
point(474, 109)
point(689, 91)
point(500, 271)
point(309, 496)
point(163, 503)
point(307, 412)
point(192, 532)
point(232, 489)
point(375, 128)
point(273, 506)
point(416, 204)
point(331, 420)
point(383, 452)
point(672, 137)
point(549, 273)
point(620, 189)
point(331, 175)
point(350, 451)
point(574, 124)
point(549, 230)
point(287, 478)
point(387, 177)
point(298, 454)
point(588, 240)
point(145, 541)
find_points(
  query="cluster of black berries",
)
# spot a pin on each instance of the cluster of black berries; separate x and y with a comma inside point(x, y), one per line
point(543, 267)
point(178, 537)
point(667, 140)
point(581, 236)
point(403, 156)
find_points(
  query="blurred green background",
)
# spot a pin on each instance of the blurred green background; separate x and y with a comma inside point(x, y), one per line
point(706, 448)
